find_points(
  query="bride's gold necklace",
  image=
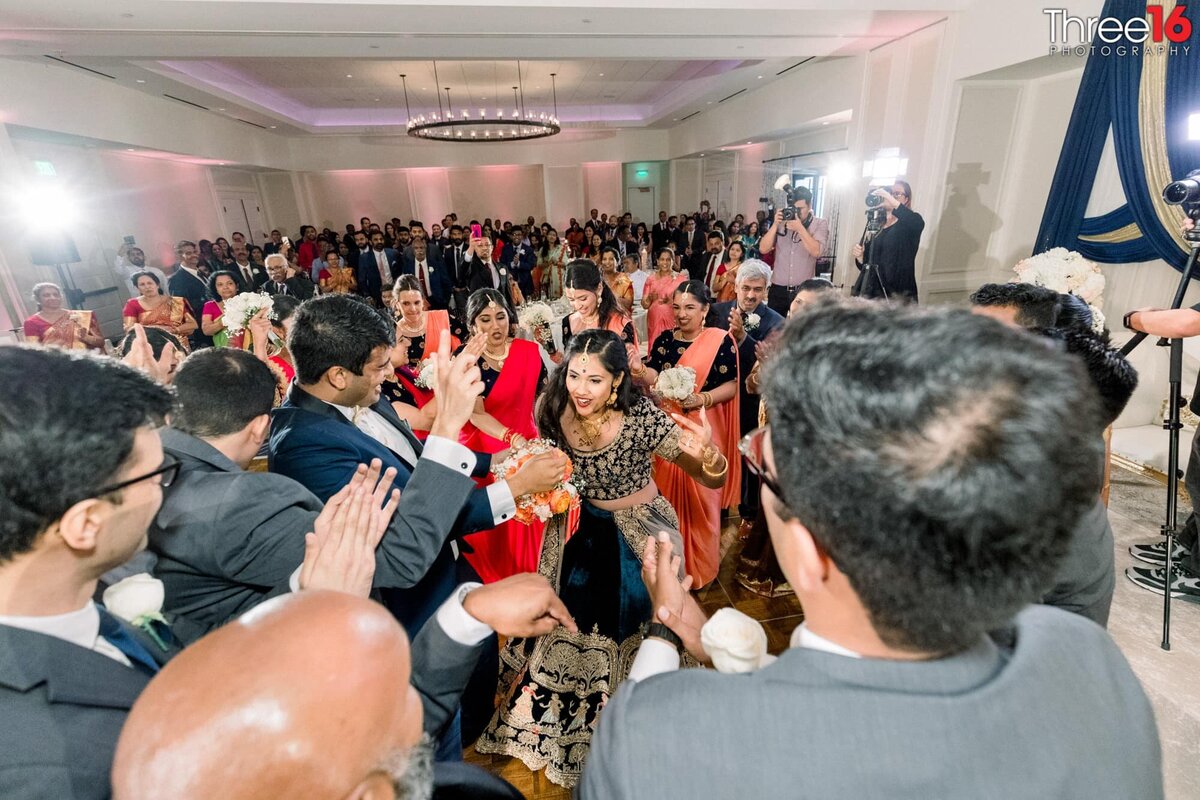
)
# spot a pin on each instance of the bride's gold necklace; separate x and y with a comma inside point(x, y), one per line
point(498, 360)
point(589, 431)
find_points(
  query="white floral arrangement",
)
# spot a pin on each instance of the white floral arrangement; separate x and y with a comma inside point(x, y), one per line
point(561, 307)
point(1067, 272)
point(242, 308)
point(535, 315)
point(752, 321)
point(138, 600)
point(735, 642)
point(676, 383)
point(426, 374)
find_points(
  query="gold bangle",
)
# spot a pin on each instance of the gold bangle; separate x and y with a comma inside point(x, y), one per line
point(725, 469)
point(706, 399)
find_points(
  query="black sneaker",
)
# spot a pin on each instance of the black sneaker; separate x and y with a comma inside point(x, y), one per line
point(1183, 586)
point(1157, 553)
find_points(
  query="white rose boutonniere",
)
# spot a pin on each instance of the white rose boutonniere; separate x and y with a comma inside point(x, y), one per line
point(735, 642)
point(138, 600)
point(752, 321)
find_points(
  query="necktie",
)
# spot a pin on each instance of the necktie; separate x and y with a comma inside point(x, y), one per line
point(246, 275)
point(381, 261)
point(713, 262)
point(421, 277)
point(118, 637)
point(280, 288)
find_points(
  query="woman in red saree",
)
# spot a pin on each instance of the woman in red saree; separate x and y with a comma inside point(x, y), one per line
point(711, 352)
point(656, 295)
point(153, 309)
point(418, 332)
point(513, 372)
point(55, 326)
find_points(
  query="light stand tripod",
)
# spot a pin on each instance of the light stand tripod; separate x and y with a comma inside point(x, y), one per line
point(870, 270)
point(1170, 528)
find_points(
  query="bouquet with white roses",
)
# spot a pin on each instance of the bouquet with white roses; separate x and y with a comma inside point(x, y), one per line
point(242, 308)
point(138, 600)
point(735, 642)
point(676, 383)
point(537, 318)
point(1067, 272)
point(542, 506)
point(426, 375)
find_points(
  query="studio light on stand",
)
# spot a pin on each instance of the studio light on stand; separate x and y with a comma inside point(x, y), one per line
point(48, 212)
point(887, 166)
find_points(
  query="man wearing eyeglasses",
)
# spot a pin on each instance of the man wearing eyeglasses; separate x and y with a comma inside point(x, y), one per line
point(82, 473)
point(893, 250)
point(921, 668)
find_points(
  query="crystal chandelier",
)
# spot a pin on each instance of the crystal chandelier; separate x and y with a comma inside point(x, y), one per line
point(467, 125)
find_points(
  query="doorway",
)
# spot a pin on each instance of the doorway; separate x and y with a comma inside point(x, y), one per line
point(640, 201)
point(242, 211)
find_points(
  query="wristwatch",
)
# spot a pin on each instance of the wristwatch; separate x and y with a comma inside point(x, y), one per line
point(1127, 319)
point(657, 630)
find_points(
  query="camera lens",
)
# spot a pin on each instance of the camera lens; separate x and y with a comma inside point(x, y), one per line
point(1180, 192)
point(873, 199)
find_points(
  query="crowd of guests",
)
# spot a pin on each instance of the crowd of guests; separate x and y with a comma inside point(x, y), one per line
point(180, 619)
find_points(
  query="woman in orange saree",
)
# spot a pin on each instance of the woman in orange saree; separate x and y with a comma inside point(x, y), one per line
point(513, 372)
point(656, 296)
point(55, 326)
point(712, 353)
point(153, 309)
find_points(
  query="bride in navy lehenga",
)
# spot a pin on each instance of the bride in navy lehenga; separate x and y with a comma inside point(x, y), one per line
point(555, 686)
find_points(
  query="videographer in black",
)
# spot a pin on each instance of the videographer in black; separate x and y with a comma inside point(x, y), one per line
point(893, 250)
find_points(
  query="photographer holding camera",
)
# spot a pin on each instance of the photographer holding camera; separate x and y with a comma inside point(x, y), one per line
point(893, 273)
point(797, 236)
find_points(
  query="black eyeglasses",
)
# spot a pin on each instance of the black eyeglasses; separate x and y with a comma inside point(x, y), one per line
point(166, 474)
point(751, 448)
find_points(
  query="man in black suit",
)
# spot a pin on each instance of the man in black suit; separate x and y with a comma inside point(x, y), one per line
point(660, 233)
point(691, 249)
point(249, 276)
point(310, 659)
point(435, 281)
point(297, 286)
point(483, 273)
point(709, 262)
point(183, 281)
point(69, 670)
point(454, 257)
point(377, 270)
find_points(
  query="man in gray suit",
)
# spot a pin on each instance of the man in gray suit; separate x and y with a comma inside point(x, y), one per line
point(918, 508)
point(81, 474)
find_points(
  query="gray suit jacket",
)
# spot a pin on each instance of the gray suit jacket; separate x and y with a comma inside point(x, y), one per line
point(1058, 714)
point(1087, 575)
point(62, 708)
point(227, 539)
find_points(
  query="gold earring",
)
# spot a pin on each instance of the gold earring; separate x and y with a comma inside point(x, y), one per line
point(612, 398)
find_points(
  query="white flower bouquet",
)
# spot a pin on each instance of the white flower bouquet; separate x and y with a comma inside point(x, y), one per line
point(535, 315)
point(539, 505)
point(426, 375)
point(561, 307)
point(1067, 272)
point(735, 642)
point(240, 309)
point(676, 383)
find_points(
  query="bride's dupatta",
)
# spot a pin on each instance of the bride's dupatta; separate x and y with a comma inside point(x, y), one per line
point(698, 507)
point(512, 547)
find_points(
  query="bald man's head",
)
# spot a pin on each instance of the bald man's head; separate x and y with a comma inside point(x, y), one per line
point(307, 695)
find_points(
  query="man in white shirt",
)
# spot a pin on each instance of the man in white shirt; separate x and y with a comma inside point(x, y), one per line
point(130, 261)
point(916, 533)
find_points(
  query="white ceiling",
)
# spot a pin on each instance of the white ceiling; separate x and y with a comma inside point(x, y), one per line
point(282, 64)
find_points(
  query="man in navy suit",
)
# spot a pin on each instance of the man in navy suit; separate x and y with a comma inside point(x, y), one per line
point(520, 259)
point(183, 281)
point(377, 269)
point(750, 321)
point(436, 282)
point(334, 419)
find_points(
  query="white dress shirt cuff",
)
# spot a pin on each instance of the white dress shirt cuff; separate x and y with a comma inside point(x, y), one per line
point(504, 505)
point(294, 579)
point(456, 623)
point(450, 454)
point(653, 657)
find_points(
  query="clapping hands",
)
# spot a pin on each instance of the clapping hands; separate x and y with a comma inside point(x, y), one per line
point(141, 357)
point(340, 552)
point(458, 384)
point(669, 598)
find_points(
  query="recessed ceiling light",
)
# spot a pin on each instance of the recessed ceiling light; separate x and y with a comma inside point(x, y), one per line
point(741, 47)
point(376, 99)
point(710, 102)
point(348, 75)
point(139, 80)
point(601, 74)
point(702, 155)
point(220, 109)
point(273, 127)
point(760, 77)
point(675, 120)
point(824, 123)
point(222, 163)
point(130, 149)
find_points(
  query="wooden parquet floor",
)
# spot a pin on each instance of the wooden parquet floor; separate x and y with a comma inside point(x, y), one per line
point(779, 616)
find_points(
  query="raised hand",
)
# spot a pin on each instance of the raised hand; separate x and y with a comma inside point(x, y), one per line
point(696, 437)
point(521, 605)
point(858, 252)
point(737, 326)
point(458, 384)
point(669, 598)
point(541, 473)
point(141, 357)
